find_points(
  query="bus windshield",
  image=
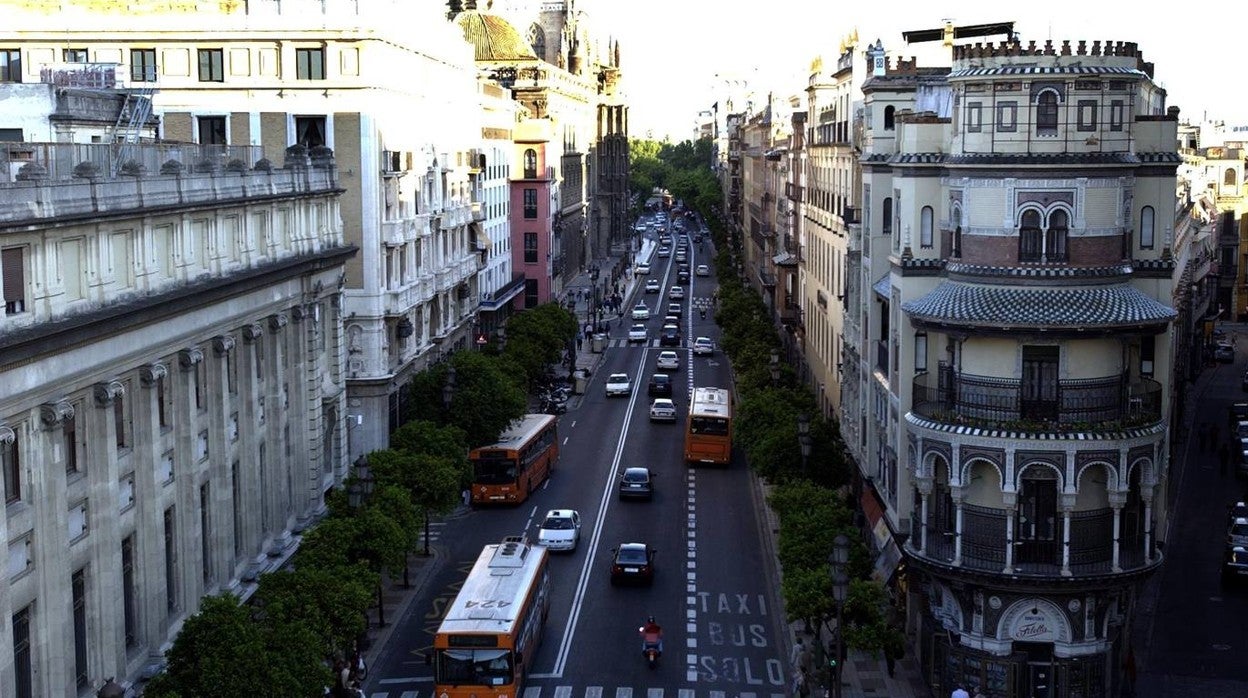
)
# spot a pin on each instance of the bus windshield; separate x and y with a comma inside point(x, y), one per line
point(490, 667)
point(708, 426)
point(494, 468)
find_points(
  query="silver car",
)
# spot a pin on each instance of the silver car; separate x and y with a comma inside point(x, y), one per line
point(662, 410)
point(561, 530)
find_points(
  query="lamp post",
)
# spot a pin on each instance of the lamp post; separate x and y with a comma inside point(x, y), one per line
point(359, 491)
point(774, 368)
point(804, 439)
point(840, 589)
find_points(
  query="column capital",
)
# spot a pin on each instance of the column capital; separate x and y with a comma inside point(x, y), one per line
point(108, 391)
point(150, 374)
point(7, 435)
point(299, 312)
point(277, 321)
point(222, 344)
point(187, 358)
point(252, 332)
point(53, 414)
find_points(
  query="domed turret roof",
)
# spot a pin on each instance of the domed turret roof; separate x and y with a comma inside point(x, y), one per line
point(493, 37)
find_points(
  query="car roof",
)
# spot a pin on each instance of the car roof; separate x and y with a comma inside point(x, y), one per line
point(633, 546)
point(1241, 521)
point(668, 352)
point(637, 470)
point(664, 401)
point(618, 375)
point(661, 377)
point(560, 513)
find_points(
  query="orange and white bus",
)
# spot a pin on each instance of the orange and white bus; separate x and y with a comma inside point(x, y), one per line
point(708, 431)
point(489, 636)
point(506, 472)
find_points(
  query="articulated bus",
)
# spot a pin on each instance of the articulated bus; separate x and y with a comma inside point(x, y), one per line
point(708, 431)
point(489, 636)
point(506, 472)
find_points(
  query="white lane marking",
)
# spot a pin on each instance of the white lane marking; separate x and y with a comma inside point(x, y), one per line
point(565, 439)
point(532, 691)
point(563, 691)
point(593, 692)
point(623, 692)
point(654, 693)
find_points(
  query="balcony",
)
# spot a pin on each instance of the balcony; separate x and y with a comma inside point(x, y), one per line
point(1108, 403)
point(881, 356)
point(986, 545)
point(478, 211)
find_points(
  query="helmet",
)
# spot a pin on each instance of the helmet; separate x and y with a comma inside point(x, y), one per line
point(650, 619)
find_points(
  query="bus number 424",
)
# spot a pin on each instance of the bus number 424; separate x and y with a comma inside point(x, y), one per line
point(493, 603)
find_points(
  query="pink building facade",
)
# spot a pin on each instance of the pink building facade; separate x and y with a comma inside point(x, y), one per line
point(531, 207)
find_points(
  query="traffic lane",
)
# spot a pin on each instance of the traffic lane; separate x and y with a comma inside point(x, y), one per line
point(605, 647)
point(740, 622)
point(1191, 636)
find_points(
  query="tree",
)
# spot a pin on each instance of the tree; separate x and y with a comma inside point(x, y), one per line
point(537, 338)
point(487, 397)
point(332, 603)
point(436, 488)
point(429, 438)
point(223, 652)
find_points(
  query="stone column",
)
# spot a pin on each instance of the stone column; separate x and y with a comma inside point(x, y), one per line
point(956, 494)
point(100, 456)
point(255, 409)
point(1067, 506)
point(303, 418)
point(46, 491)
point(1116, 501)
point(1010, 499)
point(278, 429)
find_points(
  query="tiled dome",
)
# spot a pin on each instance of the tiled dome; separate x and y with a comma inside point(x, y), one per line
point(493, 37)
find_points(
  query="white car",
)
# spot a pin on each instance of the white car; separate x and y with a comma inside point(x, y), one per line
point(643, 269)
point(703, 346)
point(662, 410)
point(703, 270)
point(641, 312)
point(665, 252)
point(676, 293)
point(561, 530)
point(638, 333)
point(619, 384)
point(653, 286)
point(668, 361)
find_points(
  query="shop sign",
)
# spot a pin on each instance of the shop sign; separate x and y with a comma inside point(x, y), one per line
point(1035, 624)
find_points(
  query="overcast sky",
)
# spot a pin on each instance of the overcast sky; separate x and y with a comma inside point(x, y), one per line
point(673, 49)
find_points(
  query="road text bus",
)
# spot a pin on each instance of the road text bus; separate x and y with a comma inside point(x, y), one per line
point(489, 636)
point(506, 472)
point(708, 431)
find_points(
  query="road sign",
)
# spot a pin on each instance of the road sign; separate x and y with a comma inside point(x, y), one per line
point(481, 339)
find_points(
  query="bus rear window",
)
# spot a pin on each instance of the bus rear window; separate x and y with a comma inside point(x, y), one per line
point(708, 426)
point(493, 468)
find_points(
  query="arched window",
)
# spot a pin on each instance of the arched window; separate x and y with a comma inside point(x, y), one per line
point(887, 218)
point(530, 164)
point(890, 115)
point(1147, 237)
point(955, 219)
point(1055, 237)
point(925, 227)
point(1228, 177)
point(537, 39)
point(1046, 114)
point(1030, 238)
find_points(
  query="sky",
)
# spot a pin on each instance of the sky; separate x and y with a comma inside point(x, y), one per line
point(673, 50)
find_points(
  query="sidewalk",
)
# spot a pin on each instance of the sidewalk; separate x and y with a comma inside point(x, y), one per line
point(586, 359)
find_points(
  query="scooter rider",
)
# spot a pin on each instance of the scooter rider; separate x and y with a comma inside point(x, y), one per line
point(651, 635)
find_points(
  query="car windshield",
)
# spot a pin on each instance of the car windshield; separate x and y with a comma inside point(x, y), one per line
point(1240, 530)
point(636, 476)
point(659, 378)
point(631, 556)
point(490, 667)
point(557, 523)
point(493, 468)
point(618, 378)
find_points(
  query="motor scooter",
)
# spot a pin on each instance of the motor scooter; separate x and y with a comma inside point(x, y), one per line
point(652, 653)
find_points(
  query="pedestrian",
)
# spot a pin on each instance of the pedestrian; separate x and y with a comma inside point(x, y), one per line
point(894, 649)
point(801, 688)
point(359, 669)
point(799, 657)
point(959, 692)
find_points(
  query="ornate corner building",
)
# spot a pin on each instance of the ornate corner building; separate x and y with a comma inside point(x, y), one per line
point(1014, 383)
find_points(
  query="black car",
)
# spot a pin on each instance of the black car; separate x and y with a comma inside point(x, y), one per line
point(632, 562)
point(669, 336)
point(1234, 563)
point(1243, 383)
point(660, 385)
point(682, 277)
point(636, 483)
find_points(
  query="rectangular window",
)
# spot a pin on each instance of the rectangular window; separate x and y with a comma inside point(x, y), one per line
point(530, 248)
point(10, 65)
point(530, 293)
point(129, 595)
point(142, 65)
point(211, 65)
point(211, 130)
point(258, 347)
point(162, 397)
point(12, 135)
point(1117, 112)
point(23, 666)
point(920, 352)
point(1087, 114)
point(78, 589)
point(205, 532)
point(231, 372)
point(74, 55)
point(236, 500)
point(1007, 117)
point(12, 466)
point(310, 131)
point(171, 563)
point(1148, 349)
point(70, 431)
point(119, 420)
point(530, 203)
point(974, 116)
point(310, 63)
point(201, 384)
point(13, 272)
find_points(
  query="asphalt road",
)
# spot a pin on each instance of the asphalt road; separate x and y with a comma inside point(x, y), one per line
point(711, 594)
point(1200, 632)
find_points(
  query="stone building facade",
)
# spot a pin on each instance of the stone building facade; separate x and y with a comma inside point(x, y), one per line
point(172, 401)
point(1016, 303)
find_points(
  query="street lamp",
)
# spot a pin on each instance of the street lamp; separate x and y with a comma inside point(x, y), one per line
point(840, 589)
point(804, 439)
point(774, 367)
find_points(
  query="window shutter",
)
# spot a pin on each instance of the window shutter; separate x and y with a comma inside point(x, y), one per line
point(11, 269)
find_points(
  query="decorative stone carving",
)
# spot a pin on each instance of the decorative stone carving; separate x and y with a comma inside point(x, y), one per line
point(187, 358)
point(7, 435)
point(299, 312)
point(53, 414)
point(252, 332)
point(151, 373)
point(277, 321)
point(222, 344)
point(108, 391)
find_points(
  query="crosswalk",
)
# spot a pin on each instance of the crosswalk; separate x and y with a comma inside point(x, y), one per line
point(600, 692)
